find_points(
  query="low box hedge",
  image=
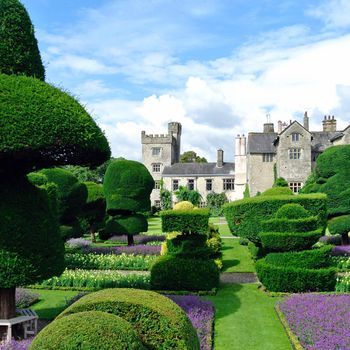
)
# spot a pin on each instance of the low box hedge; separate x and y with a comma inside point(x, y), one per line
point(245, 216)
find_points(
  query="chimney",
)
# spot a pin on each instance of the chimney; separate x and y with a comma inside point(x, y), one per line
point(268, 127)
point(220, 158)
point(279, 127)
point(306, 121)
point(329, 124)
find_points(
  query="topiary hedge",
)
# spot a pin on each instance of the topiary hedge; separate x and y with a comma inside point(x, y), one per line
point(126, 225)
point(186, 221)
point(340, 225)
point(277, 191)
point(175, 273)
point(305, 271)
point(92, 330)
point(158, 321)
point(292, 211)
point(42, 126)
point(310, 223)
point(245, 216)
point(289, 241)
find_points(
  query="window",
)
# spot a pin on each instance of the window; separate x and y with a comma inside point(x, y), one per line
point(209, 184)
point(294, 153)
point(190, 184)
point(175, 185)
point(157, 203)
point(228, 184)
point(295, 136)
point(155, 151)
point(202, 205)
point(267, 157)
point(157, 184)
point(156, 167)
point(295, 186)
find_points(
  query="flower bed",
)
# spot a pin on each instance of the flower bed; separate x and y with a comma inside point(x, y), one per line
point(341, 250)
point(16, 344)
point(320, 321)
point(108, 261)
point(343, 283)
point(201, 313)
point(138, 239)
point(342, 262)
point(25, 298)
point(140, 249)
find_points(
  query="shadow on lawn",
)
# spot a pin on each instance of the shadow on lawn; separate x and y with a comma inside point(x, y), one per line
point(229, 263)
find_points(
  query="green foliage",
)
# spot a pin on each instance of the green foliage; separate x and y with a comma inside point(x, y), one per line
point(297, 272)
point(41, 126)
point(19, 53)
point(339, 225)
point(291, 225)
point(186, 221)
point(255, 251)
point(157, 320)
point(191, 157)
point(215, 201)
point(280, 182)
point(184, 194)
point(174, 273)
point(245, 216)
point(289, 241)
point(127, 187)
point(30, 245)
point(277, 191)
point(184, 205)
point(126, 225)
point(331, 176)
point(246, 193)
point(165, 199)
point(292, 211)
point(93, 330)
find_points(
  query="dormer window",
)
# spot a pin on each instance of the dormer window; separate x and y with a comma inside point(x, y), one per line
point(295, 136)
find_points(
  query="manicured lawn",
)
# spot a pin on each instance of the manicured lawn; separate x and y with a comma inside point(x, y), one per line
point(154, 226)
point(220, 222)
point(246, 320)
point(236, 257)
point(52, 302)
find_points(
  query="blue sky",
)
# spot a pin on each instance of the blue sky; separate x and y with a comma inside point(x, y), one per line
point(216, 66)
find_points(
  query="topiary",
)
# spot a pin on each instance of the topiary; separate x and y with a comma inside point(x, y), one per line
point(340, 225)
point(184, 205)
point(125, 225)
point(41, 126)
point(277, 191)
point(158, 321)
point(292, 211)
point(93, 330)
point(19, 53)
point(280, 182)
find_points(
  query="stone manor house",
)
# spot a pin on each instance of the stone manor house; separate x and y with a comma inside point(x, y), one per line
point(290, 152)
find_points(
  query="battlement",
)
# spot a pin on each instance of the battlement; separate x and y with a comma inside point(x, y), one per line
point(157, 138)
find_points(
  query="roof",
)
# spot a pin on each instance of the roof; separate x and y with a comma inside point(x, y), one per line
point(261, 142)
point(322, 140)
point(197, 169)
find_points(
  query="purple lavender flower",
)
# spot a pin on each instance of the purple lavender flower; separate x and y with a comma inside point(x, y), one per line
point(201, 314)
point(139, 239)
point(341, 250)
point(16, 344)
point(25, 298)
point(140, 249)
point(320, 321)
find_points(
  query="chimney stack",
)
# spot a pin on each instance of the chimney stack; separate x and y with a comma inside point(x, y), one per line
point(329, 124)
point(220, 158)
point(268, 127)
point(279, 127)
point(306, 121)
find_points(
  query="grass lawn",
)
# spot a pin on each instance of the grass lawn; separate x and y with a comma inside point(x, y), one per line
point(221, 223)
point(246, 320)
point(236, 257)
point(52, 302)
point(154, 226)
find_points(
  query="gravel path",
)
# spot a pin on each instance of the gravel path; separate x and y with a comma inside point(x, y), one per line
point(238, 277)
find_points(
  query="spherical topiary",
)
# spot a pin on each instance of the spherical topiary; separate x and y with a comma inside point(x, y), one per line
point(184, 205)
point(126, 225)
point(41, 126)
point(340, 225)
point(92, 330)
point(277, 191)
point(19, 53)
point(127, 187)
point(292, 211)
point(29, 232)
point(158, 321)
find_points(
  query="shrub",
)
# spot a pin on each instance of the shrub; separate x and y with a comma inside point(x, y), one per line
point(175, 273)
point(277, 191)
point(297, 272)
point(288, 241)
point(245, 216)
point(186, 221)
point(184, 194)
point(184, 205)
point(93, 330)
point(255, 251)
point(292, 211)
point(310, 223)
point(340, 225)
point(280, 182)
point(25, 298)
point(215, 201)
point(158, 321)
point(125, 225)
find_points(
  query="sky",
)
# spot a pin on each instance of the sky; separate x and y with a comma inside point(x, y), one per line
point(219, 67)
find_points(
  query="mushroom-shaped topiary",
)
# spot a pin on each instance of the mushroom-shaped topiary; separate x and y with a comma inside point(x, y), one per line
point(127, 187)
point(93, 330)
point(340, 225)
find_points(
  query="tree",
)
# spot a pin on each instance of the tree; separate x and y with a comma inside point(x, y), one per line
point(215, 201)
point(127, 187)
point(165, 199)
point(19, 53)
point(191, 157)
point(184, 194)
point(40, 126)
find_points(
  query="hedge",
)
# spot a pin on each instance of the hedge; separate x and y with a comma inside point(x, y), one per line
point(245, 216)
point(289, 241)
point(291, 225)
point(292, 211)
point(277, 191)
point(93, 330)
point(126, 225)
point(158, 321)
point(186, 221)
point(297, 272)
point(174, 273)
point(340, 225)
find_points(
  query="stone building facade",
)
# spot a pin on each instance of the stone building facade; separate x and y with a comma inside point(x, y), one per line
point(290, 152)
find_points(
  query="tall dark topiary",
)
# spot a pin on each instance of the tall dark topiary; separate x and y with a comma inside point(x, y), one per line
point(19, 53)
point(127, 187)
point(40, 126)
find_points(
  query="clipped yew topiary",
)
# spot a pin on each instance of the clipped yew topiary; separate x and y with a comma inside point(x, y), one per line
point(340, 225)
point(19, 53)
point(158, 321)
point(92, 330)
point(277, 191)
point(292, 211)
